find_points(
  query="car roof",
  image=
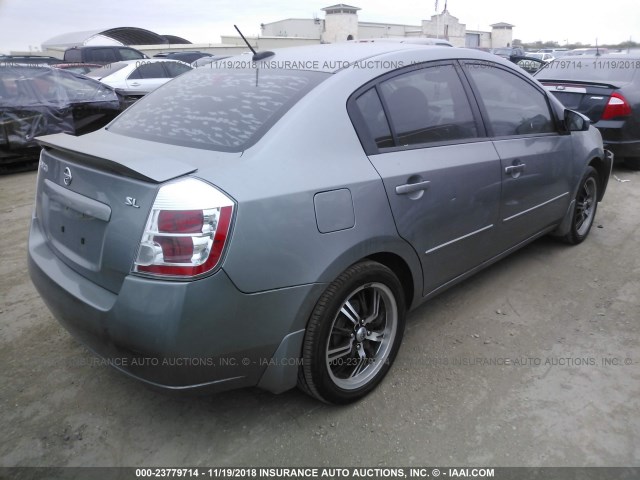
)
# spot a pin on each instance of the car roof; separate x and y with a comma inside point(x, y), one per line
point(331, 58)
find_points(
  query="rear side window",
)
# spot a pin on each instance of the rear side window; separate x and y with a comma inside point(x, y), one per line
point(428, 105)
point(514, 106)
point(216, 109)
point(375, 121)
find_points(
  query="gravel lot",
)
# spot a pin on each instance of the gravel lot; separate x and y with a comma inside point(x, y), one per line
point(535, 361)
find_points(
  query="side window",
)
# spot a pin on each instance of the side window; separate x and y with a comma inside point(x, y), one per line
point(149, 70)
point(428, 105)
point(73, 56)
point(369, 106)
point(101, 55)
point(129, 54)
point(514, 106)
point(176, 69)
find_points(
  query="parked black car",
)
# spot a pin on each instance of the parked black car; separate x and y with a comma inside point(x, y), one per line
point(509, 52)
point(101, 55)
point(607, 90)
point(37, 100)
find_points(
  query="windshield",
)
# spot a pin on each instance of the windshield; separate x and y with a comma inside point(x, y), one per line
point(216, 109)
point(591, 69)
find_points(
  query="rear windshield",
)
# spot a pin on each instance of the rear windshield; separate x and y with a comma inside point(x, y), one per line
point(591, 69)
point(216, 109)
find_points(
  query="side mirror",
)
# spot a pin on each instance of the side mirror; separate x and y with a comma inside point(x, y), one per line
point(575, 121)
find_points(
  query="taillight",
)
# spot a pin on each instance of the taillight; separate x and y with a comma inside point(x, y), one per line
point(616, 107)
point(186, 232)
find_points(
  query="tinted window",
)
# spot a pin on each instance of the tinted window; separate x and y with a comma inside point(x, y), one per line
point(514, 106)
point(101, 55)
point(216, 109)
point(72, 56)
point(149, 70)
point(129, 54)
point(375, 121)
point(176, 69)
point(428, 105)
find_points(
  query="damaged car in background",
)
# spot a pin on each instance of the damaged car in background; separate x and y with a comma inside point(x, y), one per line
point(40, 100)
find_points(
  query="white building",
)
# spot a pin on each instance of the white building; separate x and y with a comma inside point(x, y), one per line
point(341, 23)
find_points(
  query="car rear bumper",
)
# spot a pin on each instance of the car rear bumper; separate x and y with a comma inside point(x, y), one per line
point(202, 335)
point(623, 149)
point(616, 137)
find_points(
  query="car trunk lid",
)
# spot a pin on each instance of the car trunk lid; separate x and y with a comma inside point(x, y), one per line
point(94, 195)
point(588, 99)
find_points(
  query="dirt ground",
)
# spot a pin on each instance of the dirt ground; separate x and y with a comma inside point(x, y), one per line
point(533, 362)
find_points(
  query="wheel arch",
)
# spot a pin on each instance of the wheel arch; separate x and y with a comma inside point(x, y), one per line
point(400, 268)
point(392, 252)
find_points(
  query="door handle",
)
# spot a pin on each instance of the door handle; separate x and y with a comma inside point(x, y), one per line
point(135, 84)
point(514, 168)
point(411, 187)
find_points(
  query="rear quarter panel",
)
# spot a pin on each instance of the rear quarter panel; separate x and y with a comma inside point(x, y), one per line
point(276, 240)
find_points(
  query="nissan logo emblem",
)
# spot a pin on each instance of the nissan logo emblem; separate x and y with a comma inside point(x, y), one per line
point(67, 178)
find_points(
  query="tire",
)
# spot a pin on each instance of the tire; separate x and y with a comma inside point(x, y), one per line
point(585, 209)
point(353, 335)
point(632, 163)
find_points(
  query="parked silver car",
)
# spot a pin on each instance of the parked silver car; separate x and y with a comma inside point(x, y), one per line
point(139, 77)
point(270, 223)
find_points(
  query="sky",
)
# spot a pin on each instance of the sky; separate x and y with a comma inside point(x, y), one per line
point(25, 24)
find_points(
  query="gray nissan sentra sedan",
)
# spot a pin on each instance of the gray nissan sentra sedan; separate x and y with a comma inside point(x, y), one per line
point(270, 224)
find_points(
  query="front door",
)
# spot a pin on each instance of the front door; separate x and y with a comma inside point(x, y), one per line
point(535, 158)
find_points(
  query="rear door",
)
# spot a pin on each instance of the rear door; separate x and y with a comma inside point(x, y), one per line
point(535, 158)
point(147, 76)
point(440, 172)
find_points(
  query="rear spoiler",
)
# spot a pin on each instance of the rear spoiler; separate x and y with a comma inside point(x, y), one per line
point(142, 160)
